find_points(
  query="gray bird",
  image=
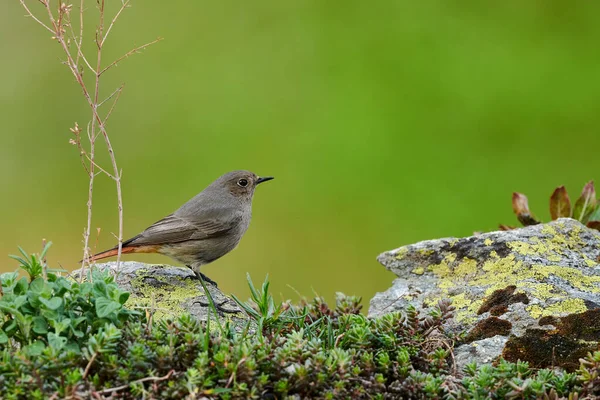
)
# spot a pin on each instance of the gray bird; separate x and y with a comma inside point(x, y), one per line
point(202, 230)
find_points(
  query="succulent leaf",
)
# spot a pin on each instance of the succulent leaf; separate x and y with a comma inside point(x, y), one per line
point(521, 209)
point(586, 203)
point(560, 204)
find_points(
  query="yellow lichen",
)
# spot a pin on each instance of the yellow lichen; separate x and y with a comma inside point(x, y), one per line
point(425, 252)
point(488, 242)
point(568, 306)
point(401, 253)
point(498, 272)
point(418, 271)
point(165, 300)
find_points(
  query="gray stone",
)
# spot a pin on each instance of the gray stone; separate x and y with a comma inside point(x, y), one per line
point(537, 286)
point(483, 351)
point(169, 291)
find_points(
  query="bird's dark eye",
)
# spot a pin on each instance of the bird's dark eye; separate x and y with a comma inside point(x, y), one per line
point(243, 182)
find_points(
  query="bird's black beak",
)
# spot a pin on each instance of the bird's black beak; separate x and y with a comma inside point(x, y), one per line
point(264, 179)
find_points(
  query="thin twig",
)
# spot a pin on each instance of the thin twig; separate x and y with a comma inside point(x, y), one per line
point(88, 228)
point(112, 23)
point(34, 17)
point(147, 379)
point(117, 91)
point(81, 37)
point(129, 53)
point(80, 54)
point(112, 107)
point(88, 366)
point(102, 170)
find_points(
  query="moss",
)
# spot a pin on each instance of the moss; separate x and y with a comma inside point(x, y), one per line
point(573, 337)
point(497, 303)
point(166, 298)
point(487, 328)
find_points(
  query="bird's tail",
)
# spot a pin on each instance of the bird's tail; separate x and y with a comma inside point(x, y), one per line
point(124, 250)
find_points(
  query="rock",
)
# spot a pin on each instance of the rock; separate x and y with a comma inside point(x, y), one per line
point(170, 291)
point(535, 291)
point(482, 351)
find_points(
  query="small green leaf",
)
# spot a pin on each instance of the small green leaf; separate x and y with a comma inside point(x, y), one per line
point(35, 349)
point(24, 253)
point(21, 286)
point(595, 214)
point(77, 333)
point(40, 326)
point(52, 304)
point(77, 321)
point(74, 347)
point(99, 289)
point(521, 209)
point(586, 203)
point(19, 301)
point(123, 297)
point(3, 337)
point(60, 326)
point(55, 341)
point(45, 250)
point(19, 259)
point(37, 285)
point(106, 306)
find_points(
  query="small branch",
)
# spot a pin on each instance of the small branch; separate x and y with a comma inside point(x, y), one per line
point(129, 53)
point(81, 37)
point(99, 167)
point(88, 366)
point(147, 379)
point(34, 17)
point(232, 376)
point(112, 23)
point(80, 54)
point(118, 93)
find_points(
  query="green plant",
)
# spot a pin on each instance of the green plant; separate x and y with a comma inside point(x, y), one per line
point(586, 208)
point(261, 306)
point(49, 310)
point(63, 339)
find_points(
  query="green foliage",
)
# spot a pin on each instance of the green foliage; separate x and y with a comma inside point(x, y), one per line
point(586, 208)
point(64, 339)
point(56, 312)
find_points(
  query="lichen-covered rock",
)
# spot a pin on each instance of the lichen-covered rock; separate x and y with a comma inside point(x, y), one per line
point(537, 286)
point(170, 291)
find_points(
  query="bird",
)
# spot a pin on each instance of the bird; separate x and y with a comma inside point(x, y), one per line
point(204, 229)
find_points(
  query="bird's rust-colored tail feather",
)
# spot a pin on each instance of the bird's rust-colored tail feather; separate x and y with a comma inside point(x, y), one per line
point(124, 250)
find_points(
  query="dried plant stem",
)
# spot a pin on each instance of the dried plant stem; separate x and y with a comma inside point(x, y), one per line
point(147, 379)
point(59, 24)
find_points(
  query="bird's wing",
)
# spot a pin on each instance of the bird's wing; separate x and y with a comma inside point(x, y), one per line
point(174, 229)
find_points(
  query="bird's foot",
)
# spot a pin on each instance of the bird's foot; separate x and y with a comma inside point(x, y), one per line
point(205, 278)
point(200, 276)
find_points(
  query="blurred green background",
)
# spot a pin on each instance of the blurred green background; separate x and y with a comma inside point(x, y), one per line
point(384, 123)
